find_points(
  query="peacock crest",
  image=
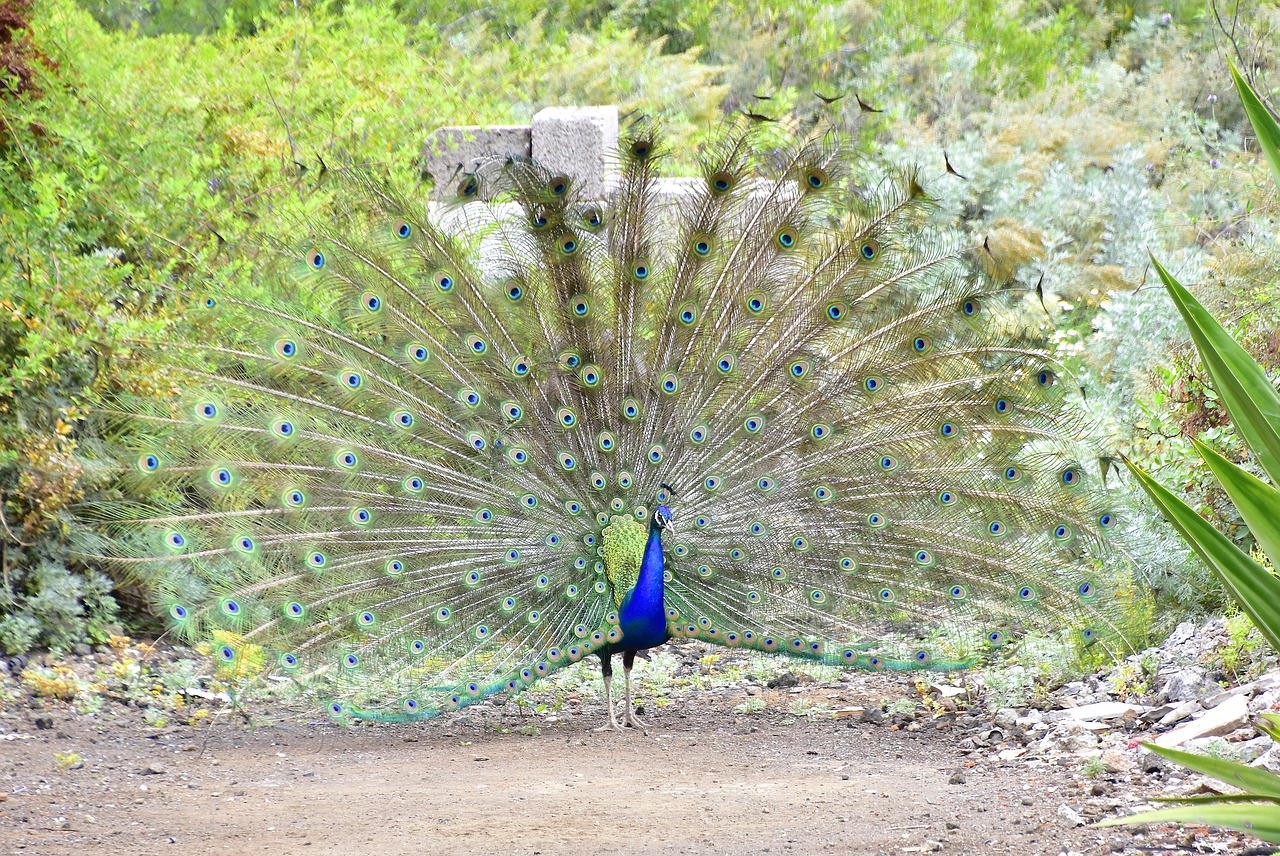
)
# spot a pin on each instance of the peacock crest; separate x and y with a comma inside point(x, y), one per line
point(431, 464)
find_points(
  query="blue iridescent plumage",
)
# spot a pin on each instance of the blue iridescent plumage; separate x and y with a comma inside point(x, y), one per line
point(446, 475)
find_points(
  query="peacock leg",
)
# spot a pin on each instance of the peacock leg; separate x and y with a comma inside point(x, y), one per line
point(606, 668)
point(628, 659)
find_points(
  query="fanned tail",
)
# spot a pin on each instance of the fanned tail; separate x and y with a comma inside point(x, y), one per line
point(400, 493)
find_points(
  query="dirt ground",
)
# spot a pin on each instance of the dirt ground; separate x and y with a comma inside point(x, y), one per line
point(706, 779)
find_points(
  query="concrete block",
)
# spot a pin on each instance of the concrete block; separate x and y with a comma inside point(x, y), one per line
point(580, 142)
point(454, 151)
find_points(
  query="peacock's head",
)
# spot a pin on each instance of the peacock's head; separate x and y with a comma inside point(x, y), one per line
point(663, 518)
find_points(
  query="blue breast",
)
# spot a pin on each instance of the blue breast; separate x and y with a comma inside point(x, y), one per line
point(643, 615)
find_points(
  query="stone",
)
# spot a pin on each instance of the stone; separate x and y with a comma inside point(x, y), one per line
point(1006, 718)
point(1187, 684)
point(580, 142)
point(1070, 815)
point(1179, 713)
point(1096, 712)
point(1071, 736)
point(155, 768)
point(455, 151)
point(1223, 719)
point(1269, 760)
point(1118, 761)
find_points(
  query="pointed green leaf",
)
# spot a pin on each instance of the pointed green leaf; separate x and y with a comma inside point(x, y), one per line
point(1264, 124)
point(1250, 398)
point(1257, 501)
point(1242, 776)
point(1218, 798)
point(1260, 819)
point(1254, 589)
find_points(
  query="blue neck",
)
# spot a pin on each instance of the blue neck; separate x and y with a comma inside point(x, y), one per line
point(643, 616)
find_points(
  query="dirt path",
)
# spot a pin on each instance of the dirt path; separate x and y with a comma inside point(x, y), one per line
point(706, 780)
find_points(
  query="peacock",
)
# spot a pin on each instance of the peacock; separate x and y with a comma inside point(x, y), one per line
point(780, 410)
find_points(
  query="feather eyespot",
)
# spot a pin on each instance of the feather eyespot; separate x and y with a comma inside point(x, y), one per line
point(722, 182)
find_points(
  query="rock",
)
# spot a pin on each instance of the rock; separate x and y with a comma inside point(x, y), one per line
point(81, 650)
point(1153, 763)
point(873, 715)
point(1187, 684)
point(783, 681)
point(155, 768)
point(1156, 713)
point(1248, 751)
point(1179, 713)
point(1223, 719)
point(579, 142)
point(1097, 712)
point(957, 778)
point(1269, 760)
point(1005, 718)
point(1072, 736)
point(1118, 761)
point(42, 723)
point(1070, 815)
point(1033, 718)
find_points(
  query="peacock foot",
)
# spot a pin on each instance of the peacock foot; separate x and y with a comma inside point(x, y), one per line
point(635, 722)
point(612, 724)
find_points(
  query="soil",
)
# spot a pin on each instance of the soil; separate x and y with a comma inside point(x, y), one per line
point(705, 779)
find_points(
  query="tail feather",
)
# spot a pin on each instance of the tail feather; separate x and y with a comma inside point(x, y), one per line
point(397, 484)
